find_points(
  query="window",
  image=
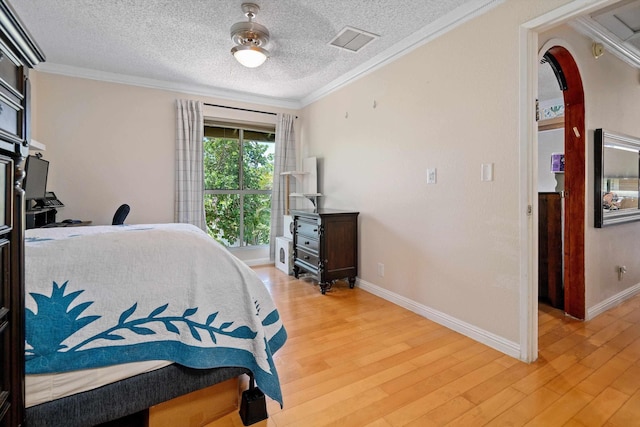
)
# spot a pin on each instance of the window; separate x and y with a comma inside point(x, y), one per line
point(238, 175)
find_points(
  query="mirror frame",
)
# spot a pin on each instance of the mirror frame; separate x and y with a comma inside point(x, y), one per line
point(611, 139)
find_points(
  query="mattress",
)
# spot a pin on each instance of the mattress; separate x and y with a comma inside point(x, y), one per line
point(41, 388)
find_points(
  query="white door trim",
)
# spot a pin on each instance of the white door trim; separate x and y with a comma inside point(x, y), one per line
point(528, 165)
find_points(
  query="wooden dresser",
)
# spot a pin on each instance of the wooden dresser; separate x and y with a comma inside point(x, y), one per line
point(325, 244)
point(18, 53)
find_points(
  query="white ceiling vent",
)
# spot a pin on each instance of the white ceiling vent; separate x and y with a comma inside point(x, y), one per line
point(352, 39)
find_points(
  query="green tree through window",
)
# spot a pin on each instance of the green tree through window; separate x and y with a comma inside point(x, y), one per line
point(238, 170)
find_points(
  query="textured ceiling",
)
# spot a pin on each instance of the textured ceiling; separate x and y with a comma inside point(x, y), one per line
point(187, 42)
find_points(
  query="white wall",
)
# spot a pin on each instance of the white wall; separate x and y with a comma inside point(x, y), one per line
point(452, 105)
point(110, 143)
point(107, 144)
point(549, 141)
point(453, 247)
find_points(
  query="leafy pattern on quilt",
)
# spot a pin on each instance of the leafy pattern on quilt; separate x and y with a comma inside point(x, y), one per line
point(42, 342)
point(147, 292)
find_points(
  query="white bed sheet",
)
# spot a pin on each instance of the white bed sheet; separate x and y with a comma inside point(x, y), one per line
point(42, 388)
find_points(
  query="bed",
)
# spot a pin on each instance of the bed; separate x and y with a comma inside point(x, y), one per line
point(120, 318)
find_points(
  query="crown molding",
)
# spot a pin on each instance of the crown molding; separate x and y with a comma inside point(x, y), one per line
point(430, 32)
point(14, 30)
point(192, 89)
point(595, 31)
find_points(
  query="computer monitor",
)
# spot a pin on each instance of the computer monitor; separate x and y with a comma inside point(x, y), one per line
point(35, 181)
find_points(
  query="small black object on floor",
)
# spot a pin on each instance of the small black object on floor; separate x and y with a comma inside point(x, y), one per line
point(253, 406)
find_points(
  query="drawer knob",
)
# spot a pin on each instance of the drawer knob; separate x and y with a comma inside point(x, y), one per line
point(306, 257)
point(306, 243)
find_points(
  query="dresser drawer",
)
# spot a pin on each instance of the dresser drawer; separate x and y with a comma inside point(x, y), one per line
point(307, 228)
point(307, 257)
point(308, 244)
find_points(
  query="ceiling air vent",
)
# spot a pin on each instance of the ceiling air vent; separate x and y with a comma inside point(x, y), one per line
point(352, 39)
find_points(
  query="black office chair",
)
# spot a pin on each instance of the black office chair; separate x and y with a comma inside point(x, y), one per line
point(121, 214)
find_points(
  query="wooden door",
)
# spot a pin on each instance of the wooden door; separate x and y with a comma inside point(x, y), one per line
point(568, 75)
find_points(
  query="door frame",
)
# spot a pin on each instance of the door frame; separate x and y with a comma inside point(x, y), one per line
point(529, 60)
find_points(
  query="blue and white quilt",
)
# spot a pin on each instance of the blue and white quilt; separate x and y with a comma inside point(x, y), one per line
point(106, 295)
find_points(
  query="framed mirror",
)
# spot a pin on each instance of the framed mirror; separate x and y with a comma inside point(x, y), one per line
point(617, 178)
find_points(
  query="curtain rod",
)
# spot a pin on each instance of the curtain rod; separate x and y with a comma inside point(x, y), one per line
point(242, 109)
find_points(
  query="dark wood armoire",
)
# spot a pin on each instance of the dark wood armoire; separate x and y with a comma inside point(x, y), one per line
point(18, 53)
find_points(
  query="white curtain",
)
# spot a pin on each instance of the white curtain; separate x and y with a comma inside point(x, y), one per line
point(189, 206)
point(284, 161)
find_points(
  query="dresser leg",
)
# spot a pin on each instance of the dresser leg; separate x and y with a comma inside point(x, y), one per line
point(325, 286)
point(352, 282)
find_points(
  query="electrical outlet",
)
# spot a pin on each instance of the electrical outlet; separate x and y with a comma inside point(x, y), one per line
point(432, 176)
point(380, 269)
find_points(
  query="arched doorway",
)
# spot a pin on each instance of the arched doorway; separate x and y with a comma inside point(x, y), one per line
point(568, 75)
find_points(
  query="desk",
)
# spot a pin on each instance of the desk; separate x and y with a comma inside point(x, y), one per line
point(67, 224)
point(40, 218)
point(46, 218)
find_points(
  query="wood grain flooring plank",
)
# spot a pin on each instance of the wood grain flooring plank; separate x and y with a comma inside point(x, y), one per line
point(601, 408)
point(569, 378)
point(443, 414)
point(562, 410)
point(602, 377)
point(629, 381)
point(628, 415)
point(490, 408)
point(526, 409)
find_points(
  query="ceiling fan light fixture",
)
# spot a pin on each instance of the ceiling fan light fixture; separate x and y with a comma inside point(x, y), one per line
point(250, 56)
point(250, 37)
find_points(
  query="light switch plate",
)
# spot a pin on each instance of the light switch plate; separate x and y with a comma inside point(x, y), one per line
point(432, 176)
point(486, 172)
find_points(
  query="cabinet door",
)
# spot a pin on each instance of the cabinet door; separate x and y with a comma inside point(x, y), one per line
point(5, 336)
point(6, 339)
point(340, 240)
point(12, 97)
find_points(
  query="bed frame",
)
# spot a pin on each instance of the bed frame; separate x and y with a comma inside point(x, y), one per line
point(126, 397)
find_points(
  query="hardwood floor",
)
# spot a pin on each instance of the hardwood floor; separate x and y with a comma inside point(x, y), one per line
point(353, 359)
